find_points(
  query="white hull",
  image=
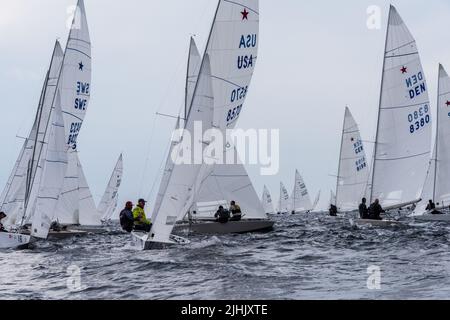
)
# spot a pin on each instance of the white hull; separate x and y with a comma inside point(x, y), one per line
point(13, 240)
point(140, 240)
point(433, 217)
point(242, 226)
point(378, 223)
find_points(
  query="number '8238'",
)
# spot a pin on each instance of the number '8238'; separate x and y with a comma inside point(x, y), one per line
point(234, 113)
point(419, 119)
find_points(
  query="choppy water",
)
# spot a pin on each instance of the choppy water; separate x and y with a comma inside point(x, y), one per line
point(303, 258)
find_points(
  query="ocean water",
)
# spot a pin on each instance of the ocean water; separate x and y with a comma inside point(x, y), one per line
point(305, 257)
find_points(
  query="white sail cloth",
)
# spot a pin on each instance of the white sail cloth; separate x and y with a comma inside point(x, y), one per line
point(283, 204)
point(354, 169)
point(110, 198)
point(267, 201)
point(300, 199)
point(402, 148)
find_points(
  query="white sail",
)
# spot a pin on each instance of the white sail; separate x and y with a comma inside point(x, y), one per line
point(353, 171)
point(54, 164)
point(316, 201)
point(75, 85)
point(267, 202)
point(402, 147)
point(69, 201)
point(233, 50)
point(183, 176)
point(300, 199)
point(437, 184)
point(13, 196)
point(284, 205)
point(87, 214)
point(442, 173)
point(109, 201)
point(194, 64)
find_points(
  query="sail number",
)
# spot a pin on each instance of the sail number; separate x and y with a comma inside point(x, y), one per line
point(233, 114)
point(419, 119)
point(361, 164)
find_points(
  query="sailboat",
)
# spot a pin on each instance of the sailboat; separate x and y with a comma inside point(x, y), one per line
point(437, 184)
point(19, 192)
point(402, 145)
point(283, 203)
point(267, 201)
point(353, 172)
point(226, 71)
point(316, 200)
point(300, 200)
point(108, 204)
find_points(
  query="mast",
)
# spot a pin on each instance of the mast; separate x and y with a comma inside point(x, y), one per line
point(437, 135)
point(187, 82)
point(340, 155)
point(379, 107)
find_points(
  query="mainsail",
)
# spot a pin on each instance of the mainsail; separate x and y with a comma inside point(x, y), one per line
point(283, 204)
point(300, 199)
point(24, 174)
point(53, 168)
point(437, 185)
point(108, 204)
point(75, 86)
point(402, 148)
point(194, 63)
point(353, 167)
point(267, 202)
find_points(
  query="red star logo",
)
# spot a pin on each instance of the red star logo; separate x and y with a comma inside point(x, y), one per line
point(245, 14)
point(404, 69)
point(448, 103)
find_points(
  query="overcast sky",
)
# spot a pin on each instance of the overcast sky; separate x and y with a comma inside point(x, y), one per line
point(315, 57)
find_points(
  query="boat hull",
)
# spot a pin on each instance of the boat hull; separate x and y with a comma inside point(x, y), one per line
point(229, 227)
point(140, 241)
point(13, 240)
point(433, 217)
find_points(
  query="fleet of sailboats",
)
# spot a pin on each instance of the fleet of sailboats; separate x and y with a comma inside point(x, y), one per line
point(48, 185)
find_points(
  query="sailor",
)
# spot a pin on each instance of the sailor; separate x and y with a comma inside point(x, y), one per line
point(333, 210)
point(363, 211)
point(432, 207)
point(222, 215)
point(2, 216)
point(236, 212)
point(375, 210)
point(126, 217)
point(141, 223)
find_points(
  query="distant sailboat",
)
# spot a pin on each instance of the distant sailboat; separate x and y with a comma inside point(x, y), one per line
point(353, 170)
point(316, 200)
point(108, 204)
point(267, 202)
point(437, 184)
point(284, 205)
point(402, 147)
point(300, 199)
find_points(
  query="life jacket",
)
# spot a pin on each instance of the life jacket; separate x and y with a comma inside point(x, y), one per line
point(126, 222)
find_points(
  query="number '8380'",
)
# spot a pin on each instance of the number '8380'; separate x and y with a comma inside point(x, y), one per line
point(419, 119)
point(234, 113)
